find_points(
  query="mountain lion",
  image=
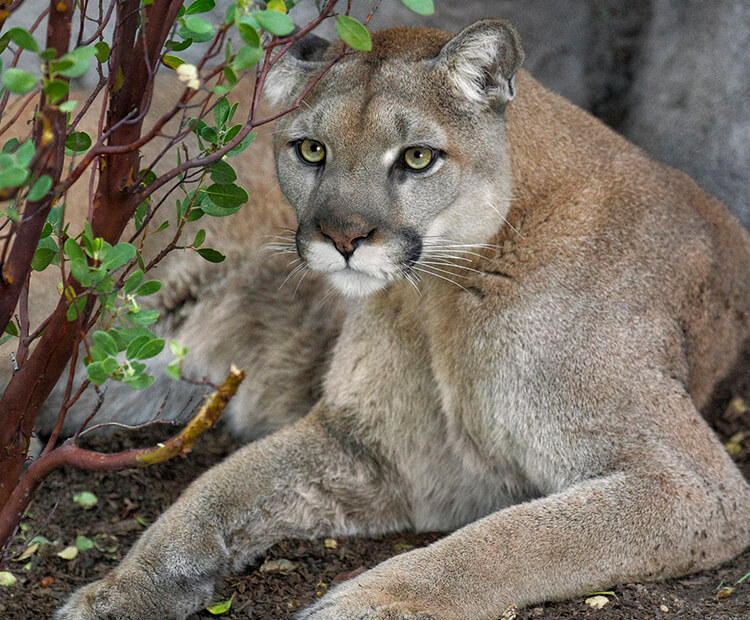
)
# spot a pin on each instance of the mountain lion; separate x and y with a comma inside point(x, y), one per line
point(535, 313)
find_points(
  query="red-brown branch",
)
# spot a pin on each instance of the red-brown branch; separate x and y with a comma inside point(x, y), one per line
point(69, 454)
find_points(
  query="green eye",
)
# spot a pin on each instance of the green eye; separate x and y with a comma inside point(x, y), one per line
point(311, 151)
point(418, 157)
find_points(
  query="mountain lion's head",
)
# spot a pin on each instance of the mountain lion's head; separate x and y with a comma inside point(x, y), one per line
point(396, 158)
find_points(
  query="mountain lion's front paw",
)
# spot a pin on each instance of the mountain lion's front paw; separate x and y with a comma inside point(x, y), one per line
point(131, 596)
point(398, 589)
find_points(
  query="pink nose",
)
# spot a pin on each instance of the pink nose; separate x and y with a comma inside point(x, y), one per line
point(345, 242)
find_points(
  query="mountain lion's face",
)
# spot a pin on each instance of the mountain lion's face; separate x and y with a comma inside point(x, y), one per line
point(391, 169)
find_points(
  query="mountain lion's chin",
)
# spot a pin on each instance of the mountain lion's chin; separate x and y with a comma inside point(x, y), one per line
point(353, 283)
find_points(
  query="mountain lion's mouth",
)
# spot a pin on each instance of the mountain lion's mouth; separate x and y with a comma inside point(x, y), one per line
point(355, 283)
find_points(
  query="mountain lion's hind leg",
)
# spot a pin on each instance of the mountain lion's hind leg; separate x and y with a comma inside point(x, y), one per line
point(299, 483)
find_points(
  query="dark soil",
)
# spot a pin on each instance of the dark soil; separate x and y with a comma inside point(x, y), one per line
point(127, 497)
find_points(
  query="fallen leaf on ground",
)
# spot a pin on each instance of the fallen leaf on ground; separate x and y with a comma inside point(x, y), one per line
point(7, 578)
point(597, 602)
point(331, 543)
point(284, 567)
point(69, 553)
point(220, 608)
point(724, 592)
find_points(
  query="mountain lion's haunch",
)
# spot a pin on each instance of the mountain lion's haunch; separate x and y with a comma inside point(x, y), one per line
point(538, 312)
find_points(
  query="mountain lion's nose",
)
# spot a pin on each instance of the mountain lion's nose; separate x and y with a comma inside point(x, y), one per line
point(345, 241)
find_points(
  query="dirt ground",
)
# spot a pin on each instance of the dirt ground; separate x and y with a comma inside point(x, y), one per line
point(129, 499)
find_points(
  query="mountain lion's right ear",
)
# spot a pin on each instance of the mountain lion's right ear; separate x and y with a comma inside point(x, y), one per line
point(295, 69)
point(482, 61)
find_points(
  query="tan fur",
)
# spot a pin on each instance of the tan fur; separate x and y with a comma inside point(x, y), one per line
point(547, 407)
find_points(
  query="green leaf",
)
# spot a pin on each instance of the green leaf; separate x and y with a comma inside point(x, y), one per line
point(199, 26)
point(353, 33)
point(421, 7)
point(248, 56)
point(105, 342)
point(135, 346)
point(150, 349)
point(45, 253)
point(96, 373)
point(86, 499)
point(246, 141)
point(162, 226)
point(173, 371)
point(200, 6)
point(73, 251)
point(75, 63)
point(25, 153)
point(143, 317)
point(209, 134)
point(275, 22)
point(13, 177)
point(133, 282)
point(19, 81)
point(10, 145)
point(118, 256)
point(211, 255)
point(139, 383)
point(83, 543)
point(11, 329)
point(68, 106)
point(23, 38)
point(200, 237)
point(222, 173)
point(102, 51)
point(172, 61)
point(219, 608)
point(221, 112)
point(55, 90)
point(179, 47)
point(228, 196)
point(249, 34)
point(75, 308)
point(110, 365)
point(149, 288)
point(40, 188)
point(230, 75)
point(77, 142)
point(276, 5)
point(7, 578)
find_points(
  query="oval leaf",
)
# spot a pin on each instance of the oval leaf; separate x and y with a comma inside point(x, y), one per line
point(275, 22)
point(118, 255)
point(226, 195)
point(19, 81)
point(211, 255)
point(86, 499)
point(421, 7)
point(150, 349)
point(105, 342)
point(353, 33)
point(40, 188)
point(199, 26)
point(69, 553)
point(77, 142)
point(23, 39)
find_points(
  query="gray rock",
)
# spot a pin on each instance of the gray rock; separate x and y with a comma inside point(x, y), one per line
point(690, 103)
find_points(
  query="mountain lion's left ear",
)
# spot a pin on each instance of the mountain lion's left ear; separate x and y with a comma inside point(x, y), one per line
point(482, 61)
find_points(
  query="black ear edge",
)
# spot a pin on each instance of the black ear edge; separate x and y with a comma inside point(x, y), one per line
point(310, 48)
point(295, 68)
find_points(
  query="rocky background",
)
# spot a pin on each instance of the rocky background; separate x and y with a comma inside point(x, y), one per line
point(672, 75)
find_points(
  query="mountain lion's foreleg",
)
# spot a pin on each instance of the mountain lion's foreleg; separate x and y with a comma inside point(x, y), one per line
point(298, 482)
point(641, 523)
